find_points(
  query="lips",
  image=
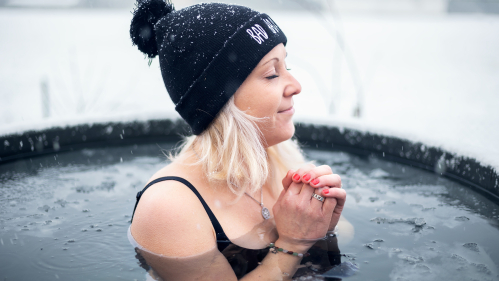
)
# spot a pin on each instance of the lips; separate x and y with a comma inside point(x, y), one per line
point(289, 109)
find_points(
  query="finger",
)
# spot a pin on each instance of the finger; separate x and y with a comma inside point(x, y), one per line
point(337, 193)
point(306, 192)
point(295, 188)
point(329, 206)
point(281, 195)
point(287, 180)
point(297, 176)
point(316, 172)
point(332, 180)
point(276, 206)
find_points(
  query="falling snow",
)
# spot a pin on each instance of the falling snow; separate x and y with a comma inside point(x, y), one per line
point(431, 78)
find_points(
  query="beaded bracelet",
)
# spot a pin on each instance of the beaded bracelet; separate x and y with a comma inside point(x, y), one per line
point(275, 249)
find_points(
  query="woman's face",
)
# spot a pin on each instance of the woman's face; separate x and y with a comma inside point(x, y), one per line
point(268, 93)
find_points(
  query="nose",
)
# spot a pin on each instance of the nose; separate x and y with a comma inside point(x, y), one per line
point(293, 87)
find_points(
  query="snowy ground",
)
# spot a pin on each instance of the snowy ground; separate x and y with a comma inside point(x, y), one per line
point(430, 78)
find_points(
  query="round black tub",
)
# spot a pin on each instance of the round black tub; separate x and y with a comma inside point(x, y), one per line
point(465, 170)
point(66, 196)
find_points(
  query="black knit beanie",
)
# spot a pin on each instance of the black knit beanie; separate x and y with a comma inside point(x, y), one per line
point(205, 51)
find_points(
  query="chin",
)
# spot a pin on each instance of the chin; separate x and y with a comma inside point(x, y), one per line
point(283, 134)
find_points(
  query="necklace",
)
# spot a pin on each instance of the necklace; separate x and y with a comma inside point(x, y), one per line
point(265, 211)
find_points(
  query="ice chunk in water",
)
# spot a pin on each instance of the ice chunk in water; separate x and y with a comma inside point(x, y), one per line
point(472, 246)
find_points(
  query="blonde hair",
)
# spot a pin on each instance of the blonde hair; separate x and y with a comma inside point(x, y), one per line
point(232, 149)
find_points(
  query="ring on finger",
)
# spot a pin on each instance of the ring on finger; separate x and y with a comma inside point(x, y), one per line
point(318, 197)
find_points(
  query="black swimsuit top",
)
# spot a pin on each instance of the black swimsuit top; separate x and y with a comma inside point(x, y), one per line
point(242, 260)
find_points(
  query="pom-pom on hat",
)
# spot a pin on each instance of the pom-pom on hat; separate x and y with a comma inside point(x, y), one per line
point(205, 51)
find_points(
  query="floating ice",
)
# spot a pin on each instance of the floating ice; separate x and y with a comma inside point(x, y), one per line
point(472, 246)
point(462, 218)
point(416, 221)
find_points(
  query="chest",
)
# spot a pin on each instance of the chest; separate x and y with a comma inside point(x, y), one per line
point(241, 218)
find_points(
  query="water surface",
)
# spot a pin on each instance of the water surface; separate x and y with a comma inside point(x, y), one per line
point(65, 217)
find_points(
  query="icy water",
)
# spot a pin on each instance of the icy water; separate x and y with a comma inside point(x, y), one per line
point(66, 216)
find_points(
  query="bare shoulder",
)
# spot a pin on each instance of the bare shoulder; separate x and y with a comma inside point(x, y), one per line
point(170, 220)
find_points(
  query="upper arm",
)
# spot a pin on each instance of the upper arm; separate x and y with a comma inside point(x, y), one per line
point(170, 220)
point(171, 223)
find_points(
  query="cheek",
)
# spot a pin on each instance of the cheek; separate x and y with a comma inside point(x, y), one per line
point(270, 110)
point(272, 102)
point(261, 101)
point(264, 107)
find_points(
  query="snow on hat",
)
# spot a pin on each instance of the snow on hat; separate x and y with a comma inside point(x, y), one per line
point(205, 51)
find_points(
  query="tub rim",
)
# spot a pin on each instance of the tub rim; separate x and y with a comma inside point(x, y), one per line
point(465, 170)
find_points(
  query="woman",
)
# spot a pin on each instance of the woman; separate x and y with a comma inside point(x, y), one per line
point(231, 192)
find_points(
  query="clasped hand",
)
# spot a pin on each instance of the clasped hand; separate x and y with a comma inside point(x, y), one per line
point(299, 217)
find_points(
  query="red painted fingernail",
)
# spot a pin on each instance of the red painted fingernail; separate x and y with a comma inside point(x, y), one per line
point(325, 191)
point(315, 182)
point(306, 177)
point(296, 177)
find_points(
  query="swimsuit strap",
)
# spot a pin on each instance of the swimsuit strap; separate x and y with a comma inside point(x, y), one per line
point(221, 237)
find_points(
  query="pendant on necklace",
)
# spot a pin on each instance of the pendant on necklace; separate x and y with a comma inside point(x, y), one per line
point(265, 213)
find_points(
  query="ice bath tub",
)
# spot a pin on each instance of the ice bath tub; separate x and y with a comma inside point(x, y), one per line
point(66, 196)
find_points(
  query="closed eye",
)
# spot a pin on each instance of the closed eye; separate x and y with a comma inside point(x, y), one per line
point(272, 77)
